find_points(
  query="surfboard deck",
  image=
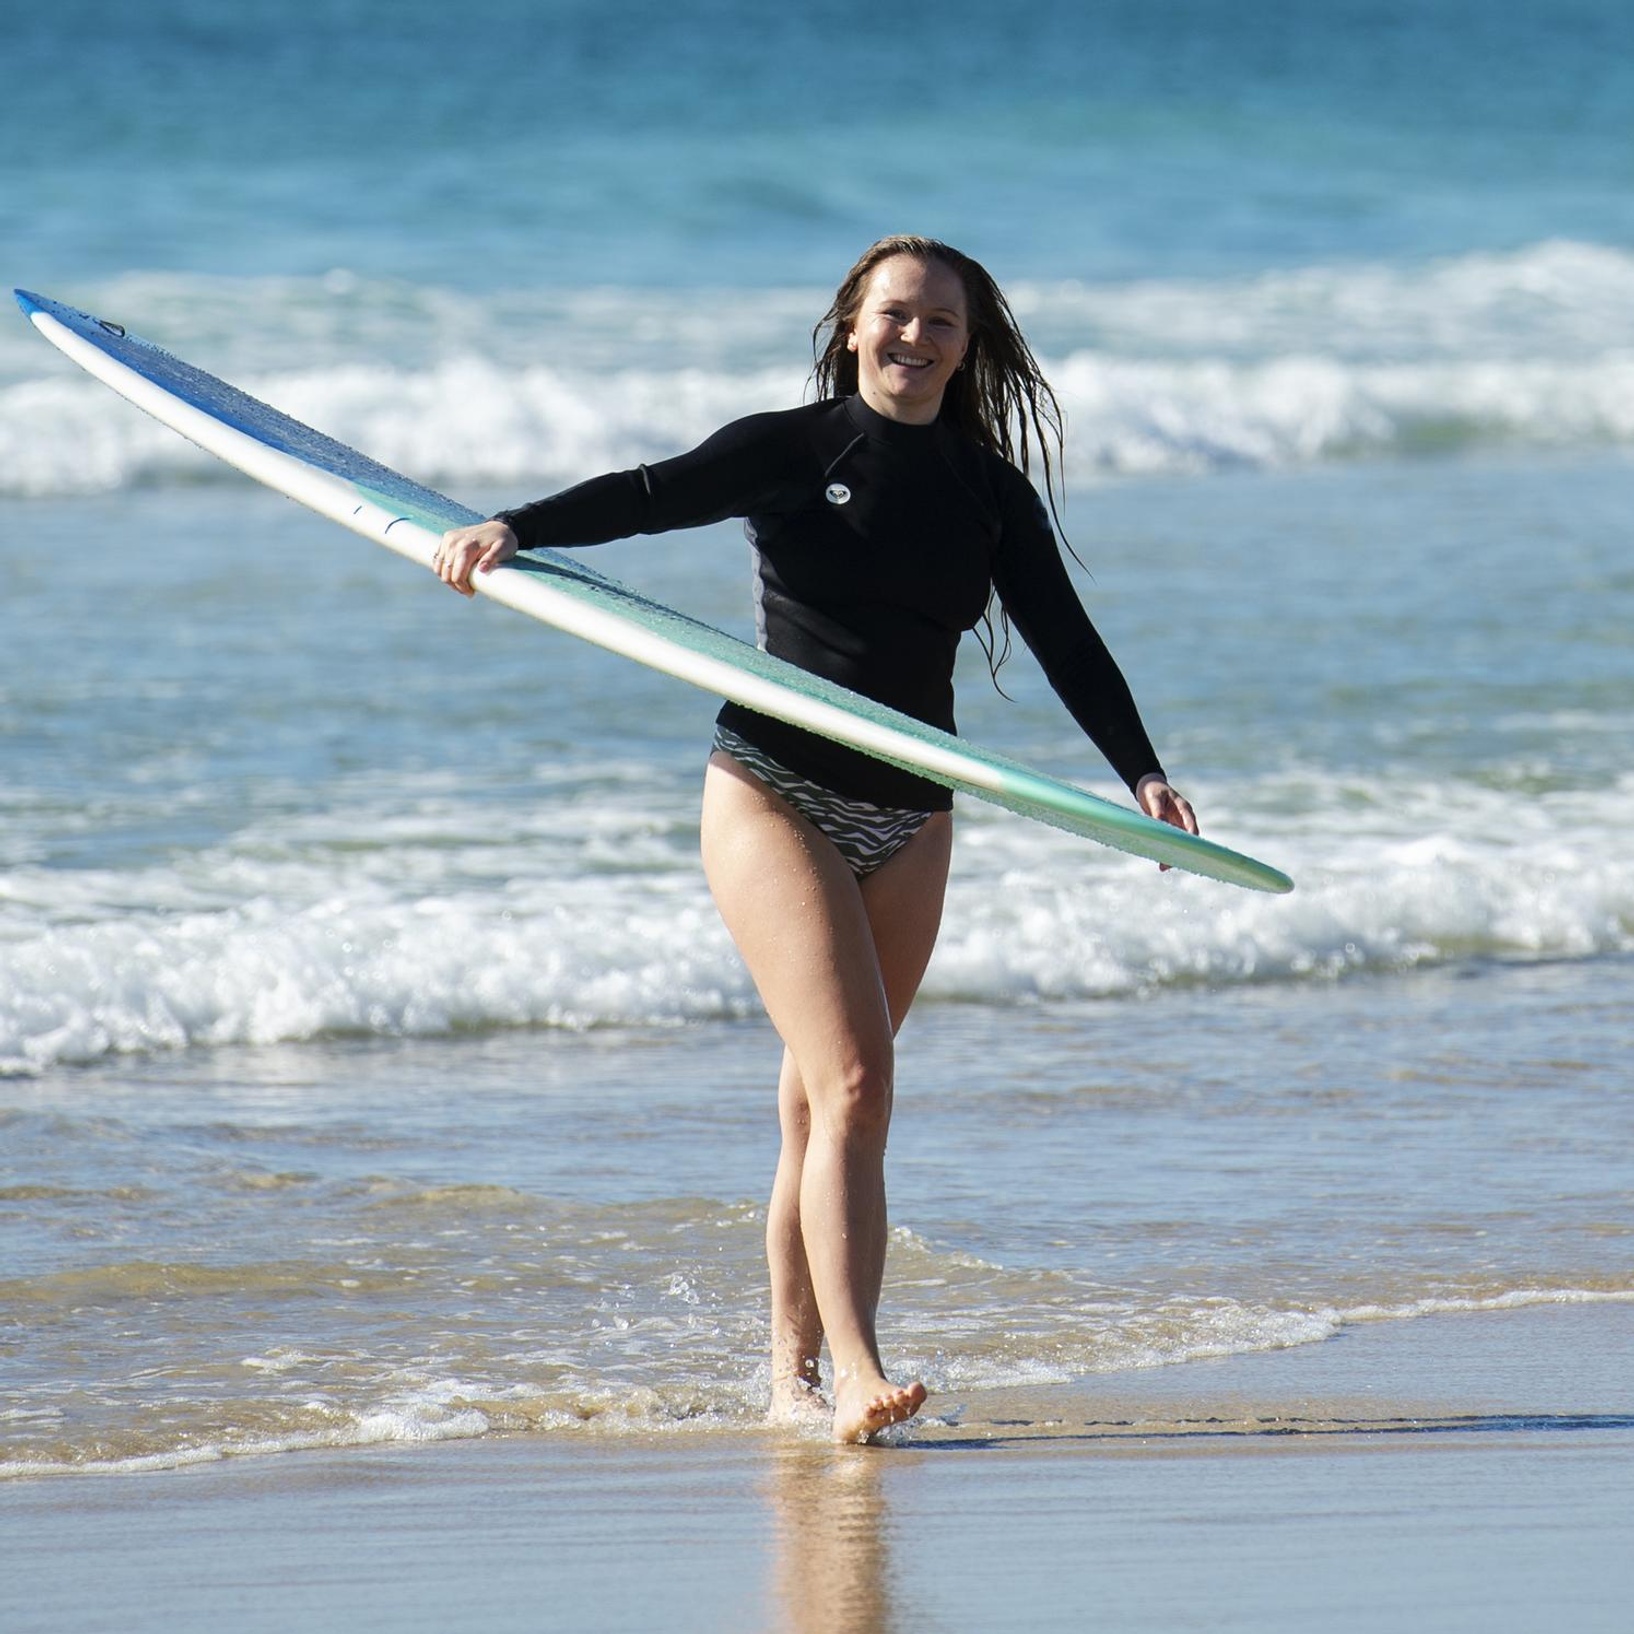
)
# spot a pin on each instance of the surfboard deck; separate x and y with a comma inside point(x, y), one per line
point(381, 504)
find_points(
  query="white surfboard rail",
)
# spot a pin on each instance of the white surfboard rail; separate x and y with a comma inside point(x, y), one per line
point(348, 488)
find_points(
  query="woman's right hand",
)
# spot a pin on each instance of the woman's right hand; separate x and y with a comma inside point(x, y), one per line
point(477, 549)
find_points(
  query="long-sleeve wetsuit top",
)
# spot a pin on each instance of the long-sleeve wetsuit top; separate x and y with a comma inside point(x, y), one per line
point(876, 545)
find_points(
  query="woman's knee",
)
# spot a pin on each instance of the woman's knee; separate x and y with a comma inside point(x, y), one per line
point(853, 1102)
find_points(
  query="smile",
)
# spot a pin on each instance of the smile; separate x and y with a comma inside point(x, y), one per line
point(906, 360)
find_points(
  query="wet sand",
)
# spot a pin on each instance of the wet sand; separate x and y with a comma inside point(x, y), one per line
point(1455, 1472)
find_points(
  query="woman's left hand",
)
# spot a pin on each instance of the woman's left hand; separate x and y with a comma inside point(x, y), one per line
point(1167, 805)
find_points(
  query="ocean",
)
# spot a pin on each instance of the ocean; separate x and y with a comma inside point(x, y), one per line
point(373, 1068)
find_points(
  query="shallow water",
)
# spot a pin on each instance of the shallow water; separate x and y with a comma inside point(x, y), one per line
point(556, 1232)
point(372, 1064)
point(1459, 1484)
point(378, 1069)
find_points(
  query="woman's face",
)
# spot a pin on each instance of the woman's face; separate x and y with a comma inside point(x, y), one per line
point(911, 333)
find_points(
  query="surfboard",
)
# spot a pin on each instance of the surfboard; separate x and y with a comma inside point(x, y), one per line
point(369, 498)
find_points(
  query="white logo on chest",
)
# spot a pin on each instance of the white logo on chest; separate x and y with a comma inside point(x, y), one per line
point(836, 493)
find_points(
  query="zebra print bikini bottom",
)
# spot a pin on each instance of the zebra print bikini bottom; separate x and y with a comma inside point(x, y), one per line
point(866, 836)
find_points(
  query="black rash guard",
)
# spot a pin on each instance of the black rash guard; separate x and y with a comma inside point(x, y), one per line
point(876, 546)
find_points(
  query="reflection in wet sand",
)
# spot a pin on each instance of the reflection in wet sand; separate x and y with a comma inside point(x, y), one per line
point(832, 1540)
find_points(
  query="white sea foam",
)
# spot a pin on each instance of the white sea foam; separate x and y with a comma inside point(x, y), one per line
point(408, 1419)
point(530, 390)
point(470, 422)
point(1555, 299)
point(362, 924)
point(1210, 1330)
point(391, 1409)
point(1508, 1299)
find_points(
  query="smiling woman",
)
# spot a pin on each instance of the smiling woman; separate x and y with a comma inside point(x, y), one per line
point(911, 335)
point(884, 518)
point(991, 387)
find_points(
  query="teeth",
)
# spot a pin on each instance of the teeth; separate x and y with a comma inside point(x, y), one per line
point(907, 361)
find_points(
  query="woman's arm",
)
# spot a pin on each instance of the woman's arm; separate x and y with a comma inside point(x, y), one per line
point(729, 474)
point(1039, 596)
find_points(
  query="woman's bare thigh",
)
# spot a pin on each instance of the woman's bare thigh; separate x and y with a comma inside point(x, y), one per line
point(836, 960)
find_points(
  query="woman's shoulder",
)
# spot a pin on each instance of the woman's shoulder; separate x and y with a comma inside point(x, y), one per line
point(1009, 487)
point(771, 428)
point(1005, 476)
point(1023, 516)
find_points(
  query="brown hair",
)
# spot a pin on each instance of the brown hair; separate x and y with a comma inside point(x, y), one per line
point(999, 397)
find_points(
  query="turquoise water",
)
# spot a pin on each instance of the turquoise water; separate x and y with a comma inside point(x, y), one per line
point(372, 1065)
point(520, 142)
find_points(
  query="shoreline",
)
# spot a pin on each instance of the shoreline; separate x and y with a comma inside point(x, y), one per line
point(1446, 1472)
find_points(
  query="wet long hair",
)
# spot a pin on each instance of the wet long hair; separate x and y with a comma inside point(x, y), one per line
point(998, 398)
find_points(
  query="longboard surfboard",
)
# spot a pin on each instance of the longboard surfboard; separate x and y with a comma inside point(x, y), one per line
point(349, 488)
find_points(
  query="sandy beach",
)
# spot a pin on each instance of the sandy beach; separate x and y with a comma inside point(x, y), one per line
point(1457, 1472)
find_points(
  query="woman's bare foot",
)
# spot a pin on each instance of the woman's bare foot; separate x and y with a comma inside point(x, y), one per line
point(865, 1406)
point(798, 1404)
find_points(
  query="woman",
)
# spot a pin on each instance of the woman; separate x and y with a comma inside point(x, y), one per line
point(884, 516)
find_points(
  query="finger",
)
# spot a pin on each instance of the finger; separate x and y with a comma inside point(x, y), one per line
point(451, 563)
point(446, 548)
point(1173, 808)
point(1154, 798)
point(443, 555)
point(502, 545)
point(1178, 815)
